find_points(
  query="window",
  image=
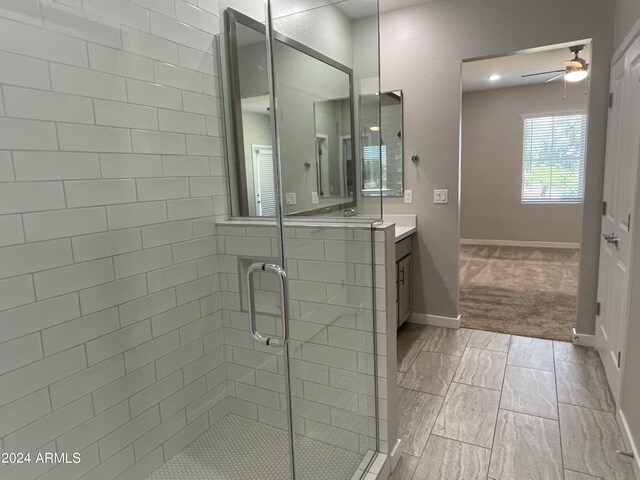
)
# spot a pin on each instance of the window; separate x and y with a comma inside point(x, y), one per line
point(553, 158)
point(374, 159)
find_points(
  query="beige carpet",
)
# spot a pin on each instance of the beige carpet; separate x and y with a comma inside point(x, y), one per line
point(519, 290)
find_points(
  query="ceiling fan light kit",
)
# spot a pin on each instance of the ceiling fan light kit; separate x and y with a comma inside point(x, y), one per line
point(575, 70)
point(576, 75)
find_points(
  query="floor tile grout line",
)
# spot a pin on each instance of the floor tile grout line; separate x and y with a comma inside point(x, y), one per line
point(459, 441)
point(531, 368)
point(421, 391)
point(597, 477)
point(555, 378)
point(495, 426)
point(529, 414)
point(588, 408)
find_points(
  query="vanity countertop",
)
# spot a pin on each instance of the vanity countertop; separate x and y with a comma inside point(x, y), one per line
point(403, 232)
point(406, 225)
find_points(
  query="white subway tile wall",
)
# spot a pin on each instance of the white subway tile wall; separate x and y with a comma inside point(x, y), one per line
point(111, 182)
point(331, 330)
point(123, 331)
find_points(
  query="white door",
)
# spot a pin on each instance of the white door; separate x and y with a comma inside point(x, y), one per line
point(263, 180)
point(623, 151)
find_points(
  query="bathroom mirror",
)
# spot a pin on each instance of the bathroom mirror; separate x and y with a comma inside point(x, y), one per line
point(335, 172)
point(383, 166)
point(316, 148)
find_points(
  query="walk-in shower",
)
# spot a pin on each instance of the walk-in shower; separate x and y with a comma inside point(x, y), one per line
point(182, 295)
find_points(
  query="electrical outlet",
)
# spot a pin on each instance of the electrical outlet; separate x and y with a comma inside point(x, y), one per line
point(291, 199)
point(441, 196)
point(314, 198)
point(408, 196)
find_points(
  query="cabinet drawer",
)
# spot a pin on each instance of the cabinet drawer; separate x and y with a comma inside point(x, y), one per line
point(403, 247)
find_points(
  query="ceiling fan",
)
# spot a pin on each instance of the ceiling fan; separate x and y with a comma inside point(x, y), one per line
point(575, 69)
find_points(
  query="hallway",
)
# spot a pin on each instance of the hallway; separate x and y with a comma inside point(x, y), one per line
point(478, 405)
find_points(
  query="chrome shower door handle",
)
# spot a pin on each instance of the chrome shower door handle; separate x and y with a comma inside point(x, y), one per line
point(284, 300)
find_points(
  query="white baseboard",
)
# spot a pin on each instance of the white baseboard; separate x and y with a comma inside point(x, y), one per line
point(628, 441)
point(518, 243)
point(435, 320)
point(396, 454)
point(583, 339)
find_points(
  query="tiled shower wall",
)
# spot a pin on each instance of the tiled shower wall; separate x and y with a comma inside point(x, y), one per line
point(111, 180)
point(331, 331)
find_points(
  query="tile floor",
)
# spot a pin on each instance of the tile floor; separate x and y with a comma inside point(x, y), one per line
point(483, 405)
point(238, 448)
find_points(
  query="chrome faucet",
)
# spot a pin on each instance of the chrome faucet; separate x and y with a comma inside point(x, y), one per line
point(349, 212)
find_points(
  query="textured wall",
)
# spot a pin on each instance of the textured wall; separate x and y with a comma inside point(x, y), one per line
point(421, 51)
point(112, 178)
point(492, 128)
point(627, 14)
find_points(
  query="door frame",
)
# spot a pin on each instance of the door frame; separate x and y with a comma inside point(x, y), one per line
point(343, 164)
point(584, 217)
point(325, 138)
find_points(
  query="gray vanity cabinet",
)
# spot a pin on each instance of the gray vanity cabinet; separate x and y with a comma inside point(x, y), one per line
point(403, 279)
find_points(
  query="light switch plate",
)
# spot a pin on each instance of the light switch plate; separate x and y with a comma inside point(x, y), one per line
point(441, 196)
point(314, 198)
point(408, 196)
point(291, 199)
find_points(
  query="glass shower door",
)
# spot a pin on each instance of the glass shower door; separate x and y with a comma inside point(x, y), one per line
point(317, 88)
point(306, 275)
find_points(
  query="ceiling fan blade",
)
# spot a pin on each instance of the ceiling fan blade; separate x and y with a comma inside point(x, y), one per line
point(555, 77)
point(542, 73)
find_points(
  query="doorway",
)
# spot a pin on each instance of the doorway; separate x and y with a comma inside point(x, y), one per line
point(522, 170)
point(263, 181)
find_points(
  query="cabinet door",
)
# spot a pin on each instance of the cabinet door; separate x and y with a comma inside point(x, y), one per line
point(404, 289)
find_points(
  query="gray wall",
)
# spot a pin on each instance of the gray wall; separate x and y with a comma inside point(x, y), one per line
point(491, 179)
point(421, 50)
point(627, 13)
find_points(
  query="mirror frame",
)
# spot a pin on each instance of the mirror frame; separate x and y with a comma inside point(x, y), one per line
point(390, 192)
point(231, 20)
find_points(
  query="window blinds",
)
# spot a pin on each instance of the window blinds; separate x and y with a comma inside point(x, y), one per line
point(374, 159)
point(266, 182)
point(553, 158)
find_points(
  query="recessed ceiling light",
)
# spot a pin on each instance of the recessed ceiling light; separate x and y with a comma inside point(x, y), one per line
point(494, 77)
point(375, 128)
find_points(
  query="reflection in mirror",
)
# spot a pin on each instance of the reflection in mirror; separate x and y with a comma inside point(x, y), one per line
point(252, 139)
point(314, 112)
point(316, 148)
point(382, 158)
point(334, 158)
